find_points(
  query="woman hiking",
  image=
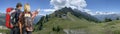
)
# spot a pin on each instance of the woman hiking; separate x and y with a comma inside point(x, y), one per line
point(26, 20)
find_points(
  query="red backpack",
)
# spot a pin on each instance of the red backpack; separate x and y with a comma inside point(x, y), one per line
point(8, 24)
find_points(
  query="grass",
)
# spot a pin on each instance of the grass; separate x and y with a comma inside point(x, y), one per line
point(74, 23)
point(4, 31)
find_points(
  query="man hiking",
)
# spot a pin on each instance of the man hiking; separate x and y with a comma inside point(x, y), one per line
point(15, 17)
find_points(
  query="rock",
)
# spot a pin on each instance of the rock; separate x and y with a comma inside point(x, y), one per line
point(78, 31)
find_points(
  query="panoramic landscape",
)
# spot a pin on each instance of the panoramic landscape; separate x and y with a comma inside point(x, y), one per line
point(69, 16)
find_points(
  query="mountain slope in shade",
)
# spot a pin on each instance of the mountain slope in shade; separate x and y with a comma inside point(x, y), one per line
point(36, 19)
point(108, 16)
point(85, 15)
point(2, 18)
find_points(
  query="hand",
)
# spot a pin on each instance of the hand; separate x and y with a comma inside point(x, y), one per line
point(35, 13)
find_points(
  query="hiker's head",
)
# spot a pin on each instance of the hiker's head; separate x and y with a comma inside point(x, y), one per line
point(19, 6)
point(27, 7)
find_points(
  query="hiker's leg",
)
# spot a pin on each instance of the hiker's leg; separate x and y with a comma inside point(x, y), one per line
point(11, 31)
point(29, 32)
point(24, 31)
point(16, 30)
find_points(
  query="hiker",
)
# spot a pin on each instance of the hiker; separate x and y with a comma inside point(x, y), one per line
point(15, 15)
point(26, 20)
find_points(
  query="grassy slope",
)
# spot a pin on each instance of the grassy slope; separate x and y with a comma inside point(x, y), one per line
point(74, 23)
point(4, 31)
point(71, 23)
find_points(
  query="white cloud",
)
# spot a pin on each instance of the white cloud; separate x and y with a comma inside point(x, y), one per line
point(74, 4)
point(104, 13)
point(58, 3)
point(88, 11)
point(42, 14)
point(48, 10)
point(98, 12)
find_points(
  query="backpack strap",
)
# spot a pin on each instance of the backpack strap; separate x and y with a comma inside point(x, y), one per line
point(30, 14)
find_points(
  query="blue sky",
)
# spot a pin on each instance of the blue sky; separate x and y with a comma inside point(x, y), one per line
point(103, 5)
point(93, 5)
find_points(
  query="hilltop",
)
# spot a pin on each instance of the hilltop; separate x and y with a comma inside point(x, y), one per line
point(64, 21)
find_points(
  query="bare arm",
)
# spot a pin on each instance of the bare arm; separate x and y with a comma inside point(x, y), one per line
point(35, 13)
point(20, 16)
point(11, 12)
point(20, 24)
